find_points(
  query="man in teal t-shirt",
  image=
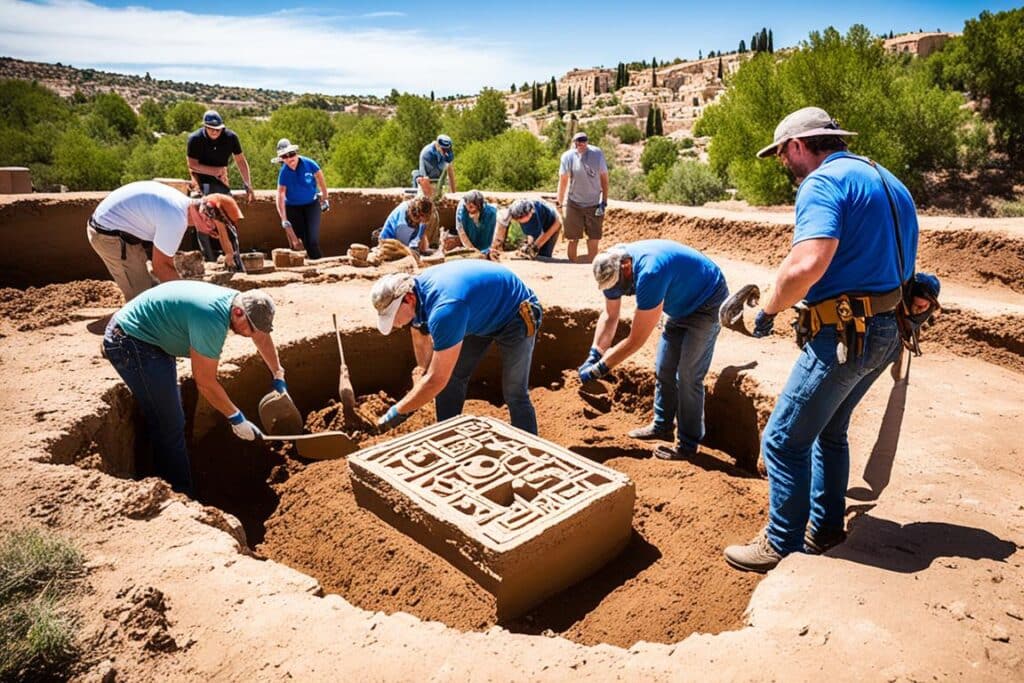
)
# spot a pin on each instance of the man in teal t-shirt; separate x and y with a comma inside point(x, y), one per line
point(185, 319)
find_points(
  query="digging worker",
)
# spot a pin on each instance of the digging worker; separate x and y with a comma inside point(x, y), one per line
point(210, 150)
point(456, 310)
point(301, 198)
point(474, 222)
point(685, 285)
point(186, 319)
point(584, 173)
point(151, 213)
point(854, 243)
point(539, 223)
point(407, 223)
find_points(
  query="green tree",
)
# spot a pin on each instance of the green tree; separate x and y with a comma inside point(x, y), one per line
point(184, 116)
point(658, 151)
point(743, 47)
point(151, 115)
point(82, 163)
point(627, 133)
point(649, 128)
point(659, 128)
point(163, 158)
point(691, 183)
point(23, 104)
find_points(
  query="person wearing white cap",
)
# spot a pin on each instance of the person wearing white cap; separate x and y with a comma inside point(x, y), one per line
point(186, 319)
point(437, 158)
point(300, 183)
point(209, 151)
point(583, 173)
point(854, 245)
point(456, 311)
point(688, 287)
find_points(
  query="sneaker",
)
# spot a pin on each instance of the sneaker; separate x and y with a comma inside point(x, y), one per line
point(669, 453)
point(822, 540)
point(756, 556)
point(652, 432)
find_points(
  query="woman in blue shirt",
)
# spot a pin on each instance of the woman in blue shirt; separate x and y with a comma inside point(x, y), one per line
point(475, 220)
point(299, 184)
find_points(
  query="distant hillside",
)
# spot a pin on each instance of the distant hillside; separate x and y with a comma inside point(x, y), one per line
point(67, 80)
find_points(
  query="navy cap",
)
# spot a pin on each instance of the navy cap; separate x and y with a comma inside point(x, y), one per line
point(212, 119)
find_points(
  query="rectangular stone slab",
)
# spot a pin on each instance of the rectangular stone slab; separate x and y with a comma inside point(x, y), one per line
point(524, 517)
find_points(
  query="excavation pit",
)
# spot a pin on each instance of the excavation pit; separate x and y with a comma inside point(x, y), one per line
point(668, 582)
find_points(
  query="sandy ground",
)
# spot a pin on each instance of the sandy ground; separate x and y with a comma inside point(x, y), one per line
point(929, 584)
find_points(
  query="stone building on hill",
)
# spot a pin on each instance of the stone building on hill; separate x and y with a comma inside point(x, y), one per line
point(919, 44)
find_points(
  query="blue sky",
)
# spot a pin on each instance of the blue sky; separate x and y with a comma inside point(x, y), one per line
point(448, 47)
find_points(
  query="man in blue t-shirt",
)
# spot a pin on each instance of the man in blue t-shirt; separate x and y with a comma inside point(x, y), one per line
point(846, 264)
point(538, 221)
point(407, 223)
point(436, 159)
point(186, 319)
point(456, 310)
point(685, 285)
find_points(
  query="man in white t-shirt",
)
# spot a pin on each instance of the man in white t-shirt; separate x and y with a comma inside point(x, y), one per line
point(148, 212)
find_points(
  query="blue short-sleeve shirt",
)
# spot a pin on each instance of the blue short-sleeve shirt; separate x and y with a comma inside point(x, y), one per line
point(673, 273)
point(480, 234)
point(541, 220)
point(300, 183)
point(844, 199)
point(434, 161)
point(180, 315)
point(397, 227)
point(466, 297)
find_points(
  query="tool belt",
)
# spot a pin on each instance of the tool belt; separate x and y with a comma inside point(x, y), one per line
point(848, 314)
point(126, 238)
point(531, 312)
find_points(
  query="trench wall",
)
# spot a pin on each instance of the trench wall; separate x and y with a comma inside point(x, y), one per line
point(44, 242)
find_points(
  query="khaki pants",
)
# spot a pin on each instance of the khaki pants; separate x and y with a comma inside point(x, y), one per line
point(130, 273)
point(580, 220)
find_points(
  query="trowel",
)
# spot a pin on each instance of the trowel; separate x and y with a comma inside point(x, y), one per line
point(345, 391)
point(319, 446)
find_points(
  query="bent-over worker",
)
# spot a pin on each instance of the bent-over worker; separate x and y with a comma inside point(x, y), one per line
point(456, 311)
point(186, 319)
point(407, 223)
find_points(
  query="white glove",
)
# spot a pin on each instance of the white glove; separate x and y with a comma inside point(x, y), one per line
point(243, 429)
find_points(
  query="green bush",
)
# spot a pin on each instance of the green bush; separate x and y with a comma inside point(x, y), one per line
point(37, 635)
point(116, 113)
point(163, 158)
point(656, 177)
point(628, 133)
point(82, 163)
point(626, 186)
point(512, 161)
point(904, 121)
point(691, 183)
point(184, 117)
point(658, 151)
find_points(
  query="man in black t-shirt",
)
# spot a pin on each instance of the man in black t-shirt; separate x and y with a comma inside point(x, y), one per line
point(209, 152)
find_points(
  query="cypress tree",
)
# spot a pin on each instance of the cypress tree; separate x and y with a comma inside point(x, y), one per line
point(763, 39)
point(700, 55)
point(431, 95)
point(719, 68)
point(649, 128)
point(753, 43)
point(743, 46)
point(658, 128)
point(654, 78)
point(554, 89)
point(771, 42)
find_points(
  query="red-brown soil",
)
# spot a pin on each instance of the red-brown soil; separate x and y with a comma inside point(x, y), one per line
point(36, 307)
point(667, 583)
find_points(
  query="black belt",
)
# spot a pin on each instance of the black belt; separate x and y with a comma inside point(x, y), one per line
point(126, 238)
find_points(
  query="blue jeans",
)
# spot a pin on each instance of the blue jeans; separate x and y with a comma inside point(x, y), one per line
point(684, 356)
point(305, 222)
point(805, 444)
point(516, 356)
point(152, 377)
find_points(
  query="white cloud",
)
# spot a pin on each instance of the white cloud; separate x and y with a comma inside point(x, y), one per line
point(286, 51)
point(374, 15)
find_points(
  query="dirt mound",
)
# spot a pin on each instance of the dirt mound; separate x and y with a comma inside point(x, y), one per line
point(669, 582)
point(37, 307)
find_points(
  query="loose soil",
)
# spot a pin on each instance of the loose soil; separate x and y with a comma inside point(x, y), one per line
point(37, 307)
point(668, 583)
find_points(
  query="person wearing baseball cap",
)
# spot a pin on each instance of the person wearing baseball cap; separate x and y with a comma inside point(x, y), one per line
point(186, 319)
point(456, 310)
point(854, 247)
point(210, 150)
point(436, 159)
point(539, 222)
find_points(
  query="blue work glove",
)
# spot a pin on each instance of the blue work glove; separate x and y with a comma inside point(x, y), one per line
point(593, 356)
point(600, 209)
point(280, 386)
point(391, 419)
point(763, 324)
point(593, 371)
point(243, 429)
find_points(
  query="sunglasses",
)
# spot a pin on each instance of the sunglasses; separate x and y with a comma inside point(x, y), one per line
point(289, 155)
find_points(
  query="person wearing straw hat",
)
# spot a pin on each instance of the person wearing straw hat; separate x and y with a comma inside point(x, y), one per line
point(688, 287)
point(854, 245)
point(186, 319)
point(301, 198)
point(456, 311)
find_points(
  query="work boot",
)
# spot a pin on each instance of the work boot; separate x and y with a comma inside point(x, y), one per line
point(822, 540)
point(756, 556)
point(652, 432)
point(668, 453)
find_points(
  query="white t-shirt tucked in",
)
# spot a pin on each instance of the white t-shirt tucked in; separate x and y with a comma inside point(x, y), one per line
point(149, 210)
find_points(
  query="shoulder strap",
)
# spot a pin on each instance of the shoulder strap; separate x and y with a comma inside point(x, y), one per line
point(895, 215)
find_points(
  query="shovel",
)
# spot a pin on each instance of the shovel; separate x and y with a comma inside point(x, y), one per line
point(345, 391)
point(319, 446)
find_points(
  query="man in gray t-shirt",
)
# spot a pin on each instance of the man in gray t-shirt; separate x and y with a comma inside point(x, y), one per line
point(584, 173)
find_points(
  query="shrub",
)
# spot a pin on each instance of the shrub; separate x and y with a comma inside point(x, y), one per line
point(625, 185)
point(691, 183)
point(184, 117)
point(658, 151)
point(628, 133)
